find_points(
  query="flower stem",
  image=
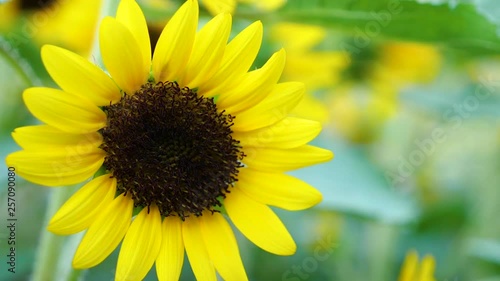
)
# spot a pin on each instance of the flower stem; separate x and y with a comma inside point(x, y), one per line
point(66, 270)
point(49, 249)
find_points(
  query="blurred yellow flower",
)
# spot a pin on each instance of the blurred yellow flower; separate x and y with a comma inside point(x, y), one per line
point(403, 63)
point(72, 25)
point(411, 270)
point(229, 6)
point(298, 37)
point(362, 104)
point(358, 111)
point(68, 23)
point(317, 69)
point(8, 14)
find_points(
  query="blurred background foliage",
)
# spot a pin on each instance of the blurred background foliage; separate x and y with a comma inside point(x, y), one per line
point(408, 92)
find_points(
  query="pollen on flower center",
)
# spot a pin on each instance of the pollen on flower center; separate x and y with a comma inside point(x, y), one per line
point(170, 147)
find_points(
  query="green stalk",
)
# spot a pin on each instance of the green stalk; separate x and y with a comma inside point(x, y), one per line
point(49, 249)
point(65, 268)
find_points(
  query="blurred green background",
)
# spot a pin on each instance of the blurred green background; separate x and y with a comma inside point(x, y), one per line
point(409, 95)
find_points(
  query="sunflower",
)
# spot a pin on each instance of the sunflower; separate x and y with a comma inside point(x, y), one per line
point(70, 23)
point(369, 98)
point(404, 63)
point(172, 144)
point(412, 271)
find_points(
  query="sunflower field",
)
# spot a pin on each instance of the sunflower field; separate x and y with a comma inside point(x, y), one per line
point(278, 140)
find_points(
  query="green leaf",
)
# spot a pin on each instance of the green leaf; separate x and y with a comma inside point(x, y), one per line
point(451, 3)
point(460, 26)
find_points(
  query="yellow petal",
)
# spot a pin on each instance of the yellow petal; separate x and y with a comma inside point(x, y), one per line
point(80, 210)
point(130, 14)
point(67, 112)
point(254, 86)
point(46, 137)
point(427, 269)
point(105, 233)
point(171, 255)
point(216, 7)
point(277, 189)
point(238, 57)
point(259, 223)
point(175, 43)
point(196, 250)
point(140, 246)
point(122, 55)
point(276, 106)
point(222, 247)
point(290, 132)
point(209, 46)
point(409, 267)
point(57, 166)
point(78, 76)
point(280, 160)
point(66, 23)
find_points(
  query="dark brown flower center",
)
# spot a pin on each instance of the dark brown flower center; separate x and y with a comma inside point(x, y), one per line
point(170, 147)
point(35, 4)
